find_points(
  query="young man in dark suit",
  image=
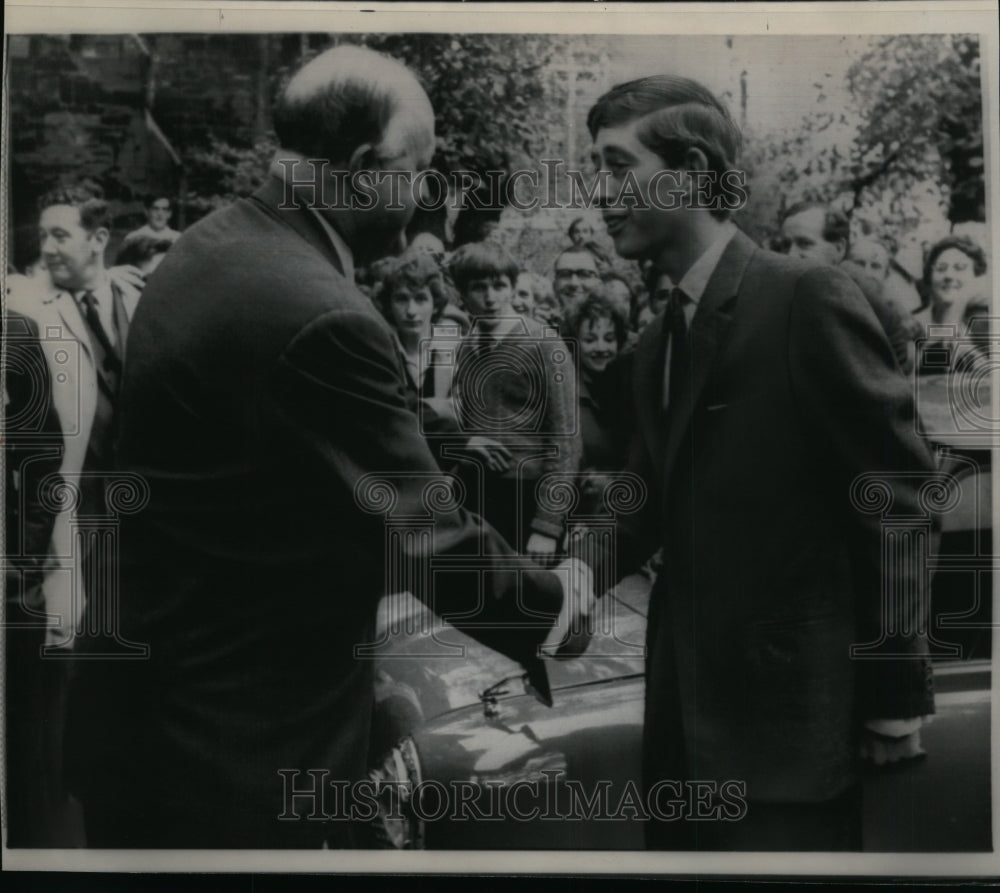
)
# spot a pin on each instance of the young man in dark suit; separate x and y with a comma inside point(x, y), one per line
point(763, 394)
point(263, 403)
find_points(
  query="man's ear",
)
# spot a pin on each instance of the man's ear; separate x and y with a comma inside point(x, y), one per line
point(841, 248)
point(695, 160)
point(363, 158)
point(100, 237)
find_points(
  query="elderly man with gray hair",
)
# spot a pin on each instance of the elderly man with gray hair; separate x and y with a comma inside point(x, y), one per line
point(262, 403)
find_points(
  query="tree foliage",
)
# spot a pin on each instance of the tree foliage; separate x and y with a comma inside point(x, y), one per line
point(922, 115)
point(223, 172)
point(487, 90)
point(492, 102)
point(909, 140)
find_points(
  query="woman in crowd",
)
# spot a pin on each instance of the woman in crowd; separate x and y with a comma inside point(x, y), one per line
point(952, 275)
point(532, 291)
point(413, 297)
point(619, 291)
point(601, 333)
point(953, 289)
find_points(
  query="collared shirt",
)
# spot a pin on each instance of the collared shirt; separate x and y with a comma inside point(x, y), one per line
point(413, 365)
point(105, 300)
point(340, 247)
point(693, 284)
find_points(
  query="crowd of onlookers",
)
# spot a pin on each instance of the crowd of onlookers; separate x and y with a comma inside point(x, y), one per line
point(588, 302)
point(513, 375)
point(441, 303)
point(593, 306)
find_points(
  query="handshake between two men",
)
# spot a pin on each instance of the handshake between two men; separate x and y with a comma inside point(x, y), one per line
point(572, 630)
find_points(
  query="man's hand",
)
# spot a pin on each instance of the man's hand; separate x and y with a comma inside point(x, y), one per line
point(571, 633)
point(127, 275)
point(891, 741)
point(496, 456)
point(542, 549)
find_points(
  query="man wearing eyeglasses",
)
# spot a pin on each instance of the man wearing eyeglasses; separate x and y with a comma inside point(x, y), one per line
point(576, 278)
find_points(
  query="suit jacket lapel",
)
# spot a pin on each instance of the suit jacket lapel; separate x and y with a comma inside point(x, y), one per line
point(69, 314)
point(647, 373)
point(121, 321)
point(708, 329)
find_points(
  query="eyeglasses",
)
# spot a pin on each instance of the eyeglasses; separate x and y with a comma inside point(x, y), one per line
point(580, 274)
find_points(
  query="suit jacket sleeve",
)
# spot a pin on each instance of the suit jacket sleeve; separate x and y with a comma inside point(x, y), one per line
point(560, 422)
point(338, 382)
point(859, 415)
point(637, 535)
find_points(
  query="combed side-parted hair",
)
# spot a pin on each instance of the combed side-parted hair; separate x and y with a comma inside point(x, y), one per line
point(481, 260)
point(340, 100)
point(676, 114)
point(87, 197)
point(154, 197)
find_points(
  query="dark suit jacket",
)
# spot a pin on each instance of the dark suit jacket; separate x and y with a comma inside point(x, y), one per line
point(260, 389)
point(770, 574)
point(34, 451)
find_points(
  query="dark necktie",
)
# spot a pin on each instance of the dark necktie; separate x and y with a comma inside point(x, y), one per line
point(680, 354)
point(111, 360)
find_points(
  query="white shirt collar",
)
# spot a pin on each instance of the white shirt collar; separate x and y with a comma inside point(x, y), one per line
point(693, 284)
point(695, 280)
point(343, 251)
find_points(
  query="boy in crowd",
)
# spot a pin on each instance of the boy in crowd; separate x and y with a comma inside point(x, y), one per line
point(157, 226)
point(514, 386)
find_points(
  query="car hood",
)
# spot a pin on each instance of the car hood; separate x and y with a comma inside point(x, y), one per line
point(440, 668)
point(525, 737)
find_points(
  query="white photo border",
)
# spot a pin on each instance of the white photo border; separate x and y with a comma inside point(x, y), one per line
point(829, 18)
